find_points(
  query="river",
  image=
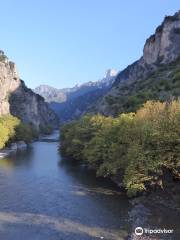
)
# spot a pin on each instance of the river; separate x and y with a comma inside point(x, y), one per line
point(44, 197)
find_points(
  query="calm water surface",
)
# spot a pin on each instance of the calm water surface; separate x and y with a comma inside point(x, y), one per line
point(42, 197)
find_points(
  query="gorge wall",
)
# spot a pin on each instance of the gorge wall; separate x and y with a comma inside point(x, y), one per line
point(20, 101)
point(160, 49)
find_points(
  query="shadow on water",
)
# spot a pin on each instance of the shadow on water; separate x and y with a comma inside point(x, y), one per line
point(86, 177)
point(45, 199)
point(145, 215)
point(109, 201)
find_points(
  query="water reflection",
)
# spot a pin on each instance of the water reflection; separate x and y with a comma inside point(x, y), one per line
point(91, 183)
point(19, 158)
point(44, 197)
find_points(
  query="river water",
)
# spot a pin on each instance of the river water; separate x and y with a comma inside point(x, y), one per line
point(44, 197)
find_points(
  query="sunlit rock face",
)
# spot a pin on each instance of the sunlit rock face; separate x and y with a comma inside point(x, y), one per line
point(17, 99)
point(161, 48)
point(9, 82)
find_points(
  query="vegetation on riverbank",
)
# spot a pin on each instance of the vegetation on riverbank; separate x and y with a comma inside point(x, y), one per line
point(160, 85)
point(136, 148)
point(12, 129)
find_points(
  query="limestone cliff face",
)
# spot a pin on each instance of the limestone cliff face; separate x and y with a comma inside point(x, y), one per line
point(161, 48)
point(17, 99)
point(9, 82)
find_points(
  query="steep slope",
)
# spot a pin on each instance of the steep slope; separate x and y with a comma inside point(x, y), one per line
point(138, 82)
point(76, 100)
point(163, 84)
point(18, 100)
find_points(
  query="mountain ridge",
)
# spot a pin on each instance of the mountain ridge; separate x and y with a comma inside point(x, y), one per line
point(46, 90)
point(70, 103)
point(136, 84)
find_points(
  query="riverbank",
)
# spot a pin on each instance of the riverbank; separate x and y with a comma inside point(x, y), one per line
point(154, 205)
point(169, 197)
point(70, 201)
point(22, 145)
point(155, 196)
point(5, 152)
point(144, 207)
point(14, 147)
point(166, 196)
point(139, 150)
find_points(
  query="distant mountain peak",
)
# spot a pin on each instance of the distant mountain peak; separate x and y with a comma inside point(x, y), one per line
point(110, 73)
point(45, 87)
point(52, 94)
point(70, 103)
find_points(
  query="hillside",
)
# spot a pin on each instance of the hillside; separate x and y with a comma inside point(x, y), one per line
point(154, 76)
point(163, 84)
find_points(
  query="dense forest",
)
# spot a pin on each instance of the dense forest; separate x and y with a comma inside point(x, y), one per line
point(136, 148)
point(136, 140)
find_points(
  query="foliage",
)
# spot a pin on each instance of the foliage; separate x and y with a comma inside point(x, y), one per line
point(12, 129)
point(140, 145)
point(163, 84)
point(25, 132)
point(46, 130)
point(3, 135)
point(9, 124)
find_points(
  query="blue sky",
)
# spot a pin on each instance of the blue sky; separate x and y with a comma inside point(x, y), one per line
point(65, 42)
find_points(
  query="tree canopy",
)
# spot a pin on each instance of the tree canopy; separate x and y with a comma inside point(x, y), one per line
point(140, 145)
point(12, 129)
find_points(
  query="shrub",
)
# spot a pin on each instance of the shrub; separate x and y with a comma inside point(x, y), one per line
point(3, 136)
point(12, 129)
point(139, 145)
point(46, 130)
point(25, 132)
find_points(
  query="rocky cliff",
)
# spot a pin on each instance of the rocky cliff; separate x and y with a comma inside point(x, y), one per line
point(20, 101)
point(160, 49)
